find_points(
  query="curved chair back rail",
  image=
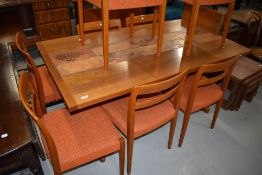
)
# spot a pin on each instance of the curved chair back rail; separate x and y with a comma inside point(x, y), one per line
point(32, 68)
point(43, 82)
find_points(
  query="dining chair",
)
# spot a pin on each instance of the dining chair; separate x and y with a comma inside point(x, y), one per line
point(200, 91)
point(146, 109)
point(208, 19)
point(107, 5)
point(97, 25)
point(142, 19)
point(194, 18)
point(46, 87)
point(256, 50)
point(71, 140)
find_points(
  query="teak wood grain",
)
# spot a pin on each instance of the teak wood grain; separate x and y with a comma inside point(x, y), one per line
point(98, 85)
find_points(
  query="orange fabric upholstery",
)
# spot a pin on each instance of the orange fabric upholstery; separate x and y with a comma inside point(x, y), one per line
point(127, 4)
point(51, 92)
point(82, 137)
point(205, 95)
point(209, 2)
point(145, 120)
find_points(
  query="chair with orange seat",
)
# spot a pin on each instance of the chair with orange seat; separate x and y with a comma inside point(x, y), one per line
point(142, 19)
point(146, 109)
point(46, 87)
point(72, 140)
point(107, 5)
point(194, 17)
point(201, 91)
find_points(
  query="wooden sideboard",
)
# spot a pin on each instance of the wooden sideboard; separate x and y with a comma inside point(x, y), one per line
point(18, 145)
point(52, 19)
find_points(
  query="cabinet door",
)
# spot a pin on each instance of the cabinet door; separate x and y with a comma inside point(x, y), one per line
point(50, 4)
point(54, 30)
point(51, 15)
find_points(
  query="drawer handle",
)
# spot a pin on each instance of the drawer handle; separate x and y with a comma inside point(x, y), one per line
point(54, 29)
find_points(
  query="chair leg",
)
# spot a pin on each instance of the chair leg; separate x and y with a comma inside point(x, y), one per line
point(191, 29)
point(184, 128)
point(103, 159)
point(154, 24)
point(122, 156)
point(227, 23)
point(130, 142)
point(161, 23)
point(206, 109)
point(81, 20)
point(172, 131)
point(131, 25)
point(218, 106)
point(105, 32)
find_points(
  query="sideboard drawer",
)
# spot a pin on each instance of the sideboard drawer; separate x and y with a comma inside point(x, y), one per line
point(54, 30)
point(51, 15)
point(50, 4)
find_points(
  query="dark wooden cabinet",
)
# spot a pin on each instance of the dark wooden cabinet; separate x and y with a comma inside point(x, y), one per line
point(17, 143)
point(52, 19)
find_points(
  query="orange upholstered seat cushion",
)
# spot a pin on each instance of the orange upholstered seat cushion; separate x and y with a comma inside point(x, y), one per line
point(209, 2)
point(51, 92)
point(82, 137)
point(204, 97)
point(127, 4)
point(146, 119)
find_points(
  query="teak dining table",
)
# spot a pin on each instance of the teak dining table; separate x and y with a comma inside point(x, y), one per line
point(79, 74)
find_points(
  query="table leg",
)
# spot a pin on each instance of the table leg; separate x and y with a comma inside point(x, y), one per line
point(32, 161)
point(105, 31)
point(161, 23)
point(191, 28)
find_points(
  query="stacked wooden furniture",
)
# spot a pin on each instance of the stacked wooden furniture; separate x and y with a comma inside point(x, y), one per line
point(246, 79)
point(52, 19)
point(194, 17)
point(107, 5)
point(257, 53)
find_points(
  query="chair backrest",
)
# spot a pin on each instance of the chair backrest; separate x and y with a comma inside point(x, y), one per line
point(217, 71)
point(209, 20)
point(97, 25)
point(254, 16)
point(30, 101)
point(32, 69)
point(141, 19)
point(148, 95)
